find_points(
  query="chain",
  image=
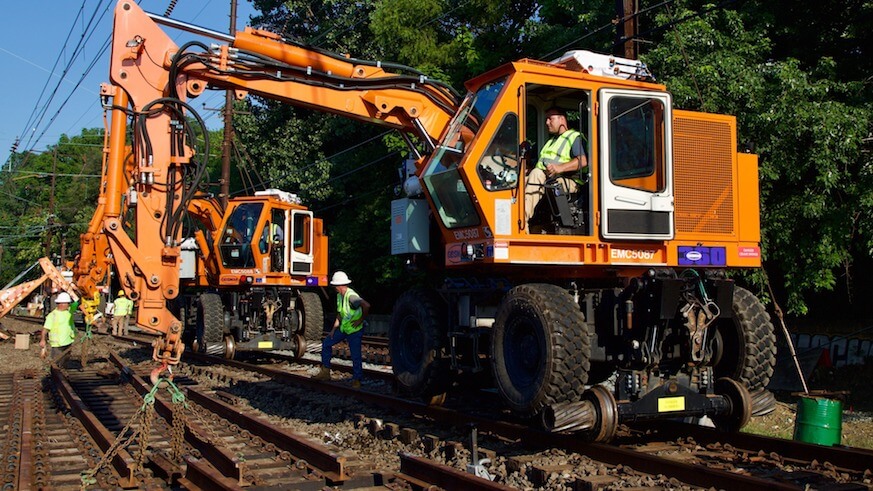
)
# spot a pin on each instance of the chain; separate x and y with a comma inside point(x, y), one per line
point(86, 345)
point(144, 414)
point(145, 433)
point(179, 421)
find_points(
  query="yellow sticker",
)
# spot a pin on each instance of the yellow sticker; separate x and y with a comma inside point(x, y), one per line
point(265, 344)
point(666, 404)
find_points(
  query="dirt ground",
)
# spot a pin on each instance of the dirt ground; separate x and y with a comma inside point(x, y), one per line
point(857, 421)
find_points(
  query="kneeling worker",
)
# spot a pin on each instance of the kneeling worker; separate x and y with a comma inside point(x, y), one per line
point(351, 310)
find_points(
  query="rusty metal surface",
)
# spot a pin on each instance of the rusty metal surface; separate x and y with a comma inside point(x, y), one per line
point(199, 475)
point(857, 459)
point(694, 474)
point(123, 463)
point(221, 459)
point(444, 476)
point(318, 456)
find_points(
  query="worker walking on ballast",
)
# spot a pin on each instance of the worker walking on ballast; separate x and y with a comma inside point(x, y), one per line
point(351, 310)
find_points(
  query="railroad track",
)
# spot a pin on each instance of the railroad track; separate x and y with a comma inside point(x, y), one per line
point(98, 427)
point(706, 459)
point(661, 455)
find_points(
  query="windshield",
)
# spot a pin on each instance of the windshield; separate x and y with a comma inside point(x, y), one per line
point(443, 181)
point(236, 241)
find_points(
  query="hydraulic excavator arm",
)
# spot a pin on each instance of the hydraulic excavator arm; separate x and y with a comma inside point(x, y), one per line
point(151, 79)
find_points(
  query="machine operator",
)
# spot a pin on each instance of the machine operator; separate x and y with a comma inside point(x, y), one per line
point(562, 158)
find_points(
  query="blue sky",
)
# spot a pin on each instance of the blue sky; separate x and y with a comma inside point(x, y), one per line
point(36, 34)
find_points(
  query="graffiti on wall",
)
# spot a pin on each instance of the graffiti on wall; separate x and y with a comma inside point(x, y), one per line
point(843, 351)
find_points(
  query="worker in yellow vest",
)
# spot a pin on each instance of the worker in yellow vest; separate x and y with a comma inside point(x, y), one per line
point(59, 327)
point(351, 310)
point(121, 314)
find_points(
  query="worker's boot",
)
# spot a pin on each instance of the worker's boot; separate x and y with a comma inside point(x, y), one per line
point(323, 374)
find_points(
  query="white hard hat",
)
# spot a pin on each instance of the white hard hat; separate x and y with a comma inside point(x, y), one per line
point(340, 279)
point(63, 297)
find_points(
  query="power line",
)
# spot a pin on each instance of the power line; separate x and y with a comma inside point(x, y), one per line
point(83, 39)
point(51, 72)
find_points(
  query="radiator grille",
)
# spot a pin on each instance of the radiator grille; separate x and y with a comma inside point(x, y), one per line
point(703, 162)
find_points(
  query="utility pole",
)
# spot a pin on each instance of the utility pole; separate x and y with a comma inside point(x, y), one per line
point(224, 194)
point(627, 28)
point(51, 218)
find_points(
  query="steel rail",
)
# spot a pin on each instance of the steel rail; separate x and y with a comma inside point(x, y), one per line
point(693, 474)
point(317, 456)
point(225, 462)
point(855, 459)
point(123, 463)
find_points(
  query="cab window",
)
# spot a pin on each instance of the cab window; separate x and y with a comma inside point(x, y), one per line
point(302, 242)
point(498, 168)
point(236, 241)
point(636, 142)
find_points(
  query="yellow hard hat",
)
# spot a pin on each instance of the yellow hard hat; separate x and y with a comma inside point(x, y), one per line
point(120, 293)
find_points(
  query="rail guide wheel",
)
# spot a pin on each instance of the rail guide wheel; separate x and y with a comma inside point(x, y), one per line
point(740, 405)
point(606, 410)
point(299, 345)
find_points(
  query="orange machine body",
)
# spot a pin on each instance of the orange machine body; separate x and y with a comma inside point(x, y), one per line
point(697, 206)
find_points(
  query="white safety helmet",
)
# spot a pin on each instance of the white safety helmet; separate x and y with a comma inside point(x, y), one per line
point(340, 279)
point(63, 297)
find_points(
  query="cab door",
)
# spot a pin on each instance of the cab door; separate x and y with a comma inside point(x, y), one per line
point(301, 250)
point(636, 165)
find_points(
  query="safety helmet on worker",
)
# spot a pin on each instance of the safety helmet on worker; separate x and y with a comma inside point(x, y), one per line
point(63, 297)
point(340, 278)
point(120, 293)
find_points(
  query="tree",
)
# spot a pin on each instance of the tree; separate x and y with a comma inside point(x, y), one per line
point(807, 126)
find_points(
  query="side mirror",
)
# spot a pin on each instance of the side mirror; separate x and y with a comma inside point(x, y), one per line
point(524, 152)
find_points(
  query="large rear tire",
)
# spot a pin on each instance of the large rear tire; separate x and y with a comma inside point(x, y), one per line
point(417, 336)
point(313, 316)
point(540, 348)
point(745, 346)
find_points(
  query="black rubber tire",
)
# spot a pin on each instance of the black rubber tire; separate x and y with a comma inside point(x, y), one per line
point(540, 348)
point(416, 337)
point(313, 315)
point(746, 344)
point(210, 320)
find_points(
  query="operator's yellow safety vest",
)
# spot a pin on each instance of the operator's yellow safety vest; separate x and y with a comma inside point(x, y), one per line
point(347, 314)
point(59, 324)
point(123, 306)
point(557, 151)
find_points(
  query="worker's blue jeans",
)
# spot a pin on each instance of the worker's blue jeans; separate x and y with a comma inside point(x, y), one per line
point(354, 340)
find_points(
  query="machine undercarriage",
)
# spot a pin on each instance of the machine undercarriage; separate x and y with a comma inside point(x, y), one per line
point(664, 345)
point(255, 319)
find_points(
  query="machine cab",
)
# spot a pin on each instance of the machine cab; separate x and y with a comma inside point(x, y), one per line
point(476, 178)
point(269, 233)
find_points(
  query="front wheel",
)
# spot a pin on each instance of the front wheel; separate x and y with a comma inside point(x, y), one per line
point(745, 346)
point(540, 348)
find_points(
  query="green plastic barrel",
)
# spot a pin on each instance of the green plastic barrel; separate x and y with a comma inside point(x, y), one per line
point(819, 420)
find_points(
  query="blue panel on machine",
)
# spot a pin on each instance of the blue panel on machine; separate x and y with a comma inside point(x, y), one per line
point(702, 256)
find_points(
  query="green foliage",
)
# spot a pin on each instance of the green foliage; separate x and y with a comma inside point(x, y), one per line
point(806, 120)
point(25, 196)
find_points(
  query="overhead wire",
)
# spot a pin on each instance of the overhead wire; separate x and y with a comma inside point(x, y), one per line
point(84, 38)
point(57, 60)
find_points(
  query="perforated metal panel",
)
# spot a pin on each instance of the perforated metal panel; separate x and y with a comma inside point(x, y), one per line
point(703, 173)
